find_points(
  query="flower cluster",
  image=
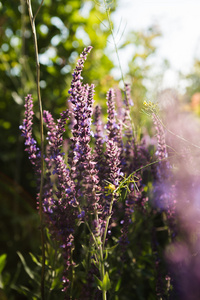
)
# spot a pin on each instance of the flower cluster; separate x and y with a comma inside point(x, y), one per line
point(81, 188)
point(26, 128)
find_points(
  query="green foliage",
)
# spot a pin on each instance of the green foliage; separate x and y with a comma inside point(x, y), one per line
point(2, 262)
point(194, 79)
point(3, 258)
point(27, 278)
point(105, 284)
point(140, 66)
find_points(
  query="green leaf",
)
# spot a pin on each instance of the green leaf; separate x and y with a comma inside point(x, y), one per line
point(56, 283)
point(106, 285)
point(106, 254)
point(84, 264)
point(2, 262)
point(110, 250)
point(26, 268)
point(98, 282)
point(34, 259)
point(118, 285)
point(26, 291)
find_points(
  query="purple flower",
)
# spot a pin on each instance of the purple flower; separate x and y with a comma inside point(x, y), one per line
point(81, 215)
point(99, 145)
point(83, 167)
point(161, 149)
point(111, 125)
point(128, 100)
point(30, 142)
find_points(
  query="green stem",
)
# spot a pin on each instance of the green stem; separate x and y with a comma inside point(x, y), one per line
point(115, 45)
point(32, 20)
point(139, 169)
point(103, 246)
point(108, 220)
point(100, 249)
point(104, 297)
point(72, 275)
point(102, 270)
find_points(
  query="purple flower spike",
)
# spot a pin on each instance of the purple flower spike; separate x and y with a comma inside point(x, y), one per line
point(111, 124)
point(98, 150)
point(162, 149)
point(164, 192)
point(30, 142)
point(128, 100)
point(113, 150)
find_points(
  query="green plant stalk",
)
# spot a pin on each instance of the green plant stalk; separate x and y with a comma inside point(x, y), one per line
point(32, 20)
point(115, 45)
point(100, 249)
point(101, 265)
point(102, 271)
point(108, 220)
point(104, 297)
point(72, 275)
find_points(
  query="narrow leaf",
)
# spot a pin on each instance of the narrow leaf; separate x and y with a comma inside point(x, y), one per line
point(118, 285)
point(98, 282)
point(26, 268)
point(2, 262)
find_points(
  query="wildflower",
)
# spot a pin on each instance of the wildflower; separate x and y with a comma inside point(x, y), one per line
point(111, 126)
point(98, 150)
point(30, 142)
point(161, 150)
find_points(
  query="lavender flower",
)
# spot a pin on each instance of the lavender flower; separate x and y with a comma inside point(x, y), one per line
point(61, 212)
point(99, 149)
point(111, 126)
point(76, 99)
point(119, 104)
point(83, 166)
point(112, 170)
point(162, 186)
point(161, 150)
point(128, 100)
point(30, 142)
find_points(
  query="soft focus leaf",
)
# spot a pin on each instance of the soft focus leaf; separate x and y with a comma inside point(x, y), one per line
point(106, 285)
point(35, 260)
point(98, 282)
point(26, 268)
point(3, 258)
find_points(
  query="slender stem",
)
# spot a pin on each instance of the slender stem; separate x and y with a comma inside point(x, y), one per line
point(143, 167)
point(176, 135)
point(99, 247)
point(38, 10)
point(32, 20)
point(72, 274)
point(108, 220)
point(104, 295)
point(115, 45)
point(102, 269)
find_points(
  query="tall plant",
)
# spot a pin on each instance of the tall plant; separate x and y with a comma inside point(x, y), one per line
point(97, 196)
